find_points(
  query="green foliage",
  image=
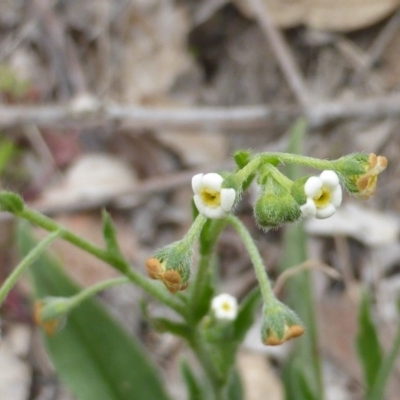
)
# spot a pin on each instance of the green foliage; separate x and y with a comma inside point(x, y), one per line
point(306, 353)
point(242, 158)
point(246, 314)
point(377, 366)
point(11, 202)
point(193, 386)
point(93, 354)
point(7, 151)
point(235, 387)
point(368, 346)
point(110, 235)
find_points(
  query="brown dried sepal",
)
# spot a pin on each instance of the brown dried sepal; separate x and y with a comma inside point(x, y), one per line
point(171, 278)
point(290, 333)
point(155, 269)
point(50, 326)
point(366, 183)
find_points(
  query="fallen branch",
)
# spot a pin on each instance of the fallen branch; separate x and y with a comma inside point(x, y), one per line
point(204, 118)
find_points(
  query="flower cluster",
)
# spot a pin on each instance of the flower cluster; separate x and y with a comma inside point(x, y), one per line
point(280, 200)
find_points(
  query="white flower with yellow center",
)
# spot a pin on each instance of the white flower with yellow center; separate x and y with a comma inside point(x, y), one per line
point(324, 195)
point(224, 306)
point(210, 198)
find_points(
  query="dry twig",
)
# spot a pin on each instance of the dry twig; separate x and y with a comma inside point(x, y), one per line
point(196, 118)
point(283, 54)
point(309, 264)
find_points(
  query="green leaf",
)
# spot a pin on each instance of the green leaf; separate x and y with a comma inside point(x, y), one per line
point(93, 355)
point(200, 304)
point(235, 387)
point(110, 235)
point(242, 158)
point(368, 346)
point(11, 202)
point(246, 314)
point(166, 325)
point(296, 383)
point(386, 367)
point(193, 386)
point(295, 252)
point(7, 151)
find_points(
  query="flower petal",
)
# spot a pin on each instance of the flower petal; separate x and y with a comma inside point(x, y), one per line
point(336, 197)
point(329, 179)
point(201, 207)
point(212, 181)
point(224, 306)
point(227, 199)
point(326, 212)
point(309, 209)
point(196, 183)
point(312, 186)
point(214, 213)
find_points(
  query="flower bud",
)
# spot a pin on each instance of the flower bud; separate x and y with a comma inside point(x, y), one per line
point(360, 173)
point(272, 210)
point(279, 324)
point(11, 202)
point(171, 267)
point(51, 313)
point(276, 205)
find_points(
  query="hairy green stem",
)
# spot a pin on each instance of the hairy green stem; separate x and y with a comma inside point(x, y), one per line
point(287, 158)
point(160, 293)
point(25, 263)
point(98, 287)
point(265, 285)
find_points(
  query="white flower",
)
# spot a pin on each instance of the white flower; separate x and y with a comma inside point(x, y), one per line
point(324, 195)
point(224, 306)
point(210, 198)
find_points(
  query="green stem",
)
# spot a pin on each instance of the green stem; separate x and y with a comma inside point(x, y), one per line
point(194, 230)
point(93, 290)
point(160, 293)
point(265, 285)
point(250, 168)
point(287, 158)
point(25, 263)
point(204, 357)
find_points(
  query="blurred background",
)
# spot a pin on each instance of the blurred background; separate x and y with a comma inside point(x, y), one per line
point(117, 103)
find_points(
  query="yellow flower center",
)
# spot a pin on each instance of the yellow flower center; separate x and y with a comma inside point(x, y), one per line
point(211, 198)
point(226, 306)
point(322, 198)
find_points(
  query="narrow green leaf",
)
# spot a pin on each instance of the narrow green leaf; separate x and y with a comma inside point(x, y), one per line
point(246, 314)
point(95, 357)
point(300, 290)
point(201, 303)
point(7, 151)
point(110, 235)
point(386, 367)
point(193, 386)
point(166, 325)
point(368, 346)
point(235, 387)
point(242, 158)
